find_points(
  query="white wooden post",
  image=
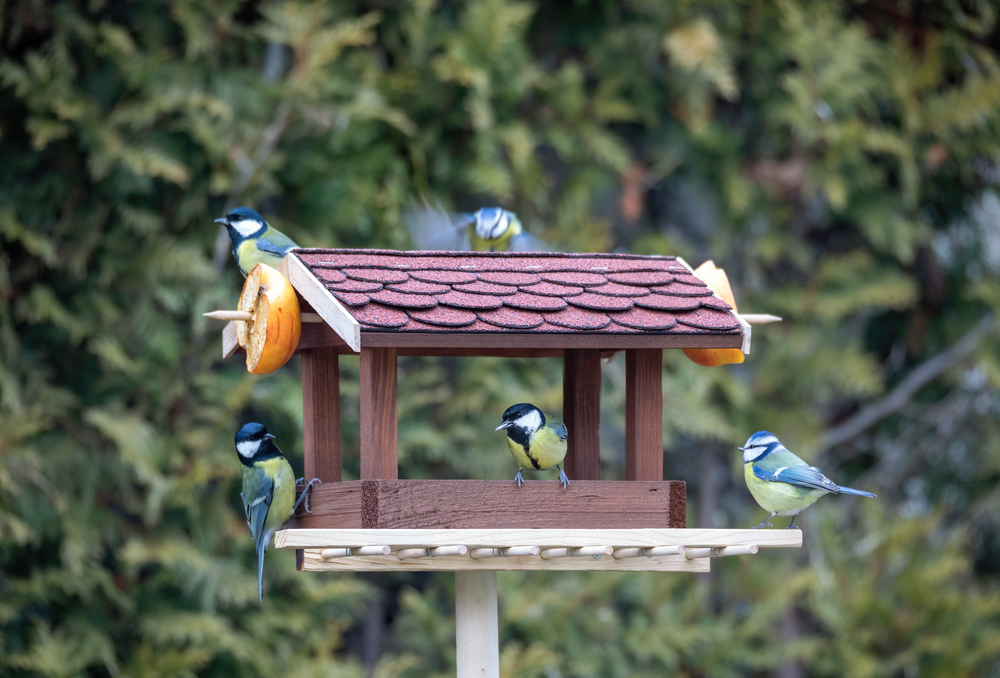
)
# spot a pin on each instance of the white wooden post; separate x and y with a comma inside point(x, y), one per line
point(477, 636)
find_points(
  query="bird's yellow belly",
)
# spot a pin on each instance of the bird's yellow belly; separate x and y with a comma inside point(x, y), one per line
point(546, 456)
point(780, 498)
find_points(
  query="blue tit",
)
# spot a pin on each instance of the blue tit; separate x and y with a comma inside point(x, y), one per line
point(781, 482)
point(254, 241)
point(495, 229)
point(268, 489)
point(537, 441)
point(489, 229)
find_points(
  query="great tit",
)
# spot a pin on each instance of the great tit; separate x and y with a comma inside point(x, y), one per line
point(490, 229)
point(254, 241)
point(268, 489)
point(781, 482)
point(536, 440)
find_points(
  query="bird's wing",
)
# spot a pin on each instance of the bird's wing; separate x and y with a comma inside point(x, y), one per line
point(808, 477)
point(432, 228)
point(275, 243)
point(559, 428)
point(262, 490)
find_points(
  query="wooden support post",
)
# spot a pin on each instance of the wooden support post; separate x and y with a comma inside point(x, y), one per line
point(379, 460)
point(582, 412)
point(321, 414)
point(644, 414)
point(477, 636)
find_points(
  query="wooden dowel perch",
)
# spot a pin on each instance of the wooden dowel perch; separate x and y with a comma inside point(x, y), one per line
point(747, 550)
point(594, 551)
point(328, 554)
point(245, 316)
point(477, 554)
point(409, 554)
point(649, 552)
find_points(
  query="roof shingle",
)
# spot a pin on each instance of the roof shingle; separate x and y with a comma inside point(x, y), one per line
point(386, 290)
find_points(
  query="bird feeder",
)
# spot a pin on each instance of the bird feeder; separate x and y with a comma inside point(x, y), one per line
point(384, 304)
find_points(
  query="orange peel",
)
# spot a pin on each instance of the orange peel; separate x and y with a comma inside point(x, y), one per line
point(272, 334)
point(718, 282)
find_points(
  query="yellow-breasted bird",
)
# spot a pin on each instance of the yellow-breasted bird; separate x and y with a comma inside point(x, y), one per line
point(781, 482)
point(268, 489)
point(536, 440)
point(254, 241)
point(490, 229)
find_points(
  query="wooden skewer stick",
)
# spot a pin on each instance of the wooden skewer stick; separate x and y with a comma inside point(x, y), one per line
point(508, 551)
point(760, 318)
point(328, 554)
point(747, 550)
point(246, 316)
point(649, 552)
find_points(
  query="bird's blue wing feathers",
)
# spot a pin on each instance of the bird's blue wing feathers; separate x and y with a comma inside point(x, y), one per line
point(257, 509)
point(275, 244)
point(526, 242)
point(800, 476)
point(561, 431)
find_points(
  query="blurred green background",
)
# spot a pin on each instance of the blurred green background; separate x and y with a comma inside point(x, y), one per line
point(839, 159)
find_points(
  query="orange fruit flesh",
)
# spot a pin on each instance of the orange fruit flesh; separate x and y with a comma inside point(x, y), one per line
point(718, 282)
point(271, 336)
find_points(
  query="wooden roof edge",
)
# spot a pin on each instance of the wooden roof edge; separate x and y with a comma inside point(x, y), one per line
point(326, 305)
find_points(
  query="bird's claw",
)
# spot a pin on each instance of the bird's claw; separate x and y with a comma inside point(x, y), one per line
point(563, 479)
point(304, 497)
point(762, 525)
point(792, 527)
point(518, 479)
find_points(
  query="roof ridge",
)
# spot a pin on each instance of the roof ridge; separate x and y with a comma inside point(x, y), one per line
point(485, 255)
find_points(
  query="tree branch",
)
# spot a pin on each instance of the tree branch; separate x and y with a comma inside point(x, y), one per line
point(898, 397)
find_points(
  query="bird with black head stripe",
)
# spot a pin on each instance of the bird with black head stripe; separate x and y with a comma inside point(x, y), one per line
point(535, 439)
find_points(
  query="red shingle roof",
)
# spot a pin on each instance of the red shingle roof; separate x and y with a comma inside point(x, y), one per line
point(520, 291)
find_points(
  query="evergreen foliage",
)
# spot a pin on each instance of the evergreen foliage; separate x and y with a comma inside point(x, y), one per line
point(840, 160)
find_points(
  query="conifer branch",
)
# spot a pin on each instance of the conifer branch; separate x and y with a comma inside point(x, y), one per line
point(896, 399)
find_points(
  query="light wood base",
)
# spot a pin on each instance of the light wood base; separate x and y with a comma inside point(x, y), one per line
point(698, 547)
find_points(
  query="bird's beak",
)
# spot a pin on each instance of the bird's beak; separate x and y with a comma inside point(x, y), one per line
point(506, 424)
point(268, 436)
point(740, 449)
point(222, 221)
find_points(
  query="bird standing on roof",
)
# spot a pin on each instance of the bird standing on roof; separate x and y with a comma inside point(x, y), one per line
point(537, 441)
point(268, 489)
point(490, 229)
point(781, 482)
point(254, 241)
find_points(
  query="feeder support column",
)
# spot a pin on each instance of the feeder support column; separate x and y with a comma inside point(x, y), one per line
point(582, 412)
point(477, 635)
point(321, 414)
point(644, 414)
point(379, 434)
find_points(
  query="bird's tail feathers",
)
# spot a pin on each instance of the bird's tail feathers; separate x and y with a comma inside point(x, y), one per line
point(261, 550)
point(860, 493)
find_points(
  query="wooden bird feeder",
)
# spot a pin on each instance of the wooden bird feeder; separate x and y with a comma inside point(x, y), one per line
point(382, 304)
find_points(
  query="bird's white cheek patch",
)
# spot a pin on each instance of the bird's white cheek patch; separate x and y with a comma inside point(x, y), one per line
point(248, 448)
point(531, 421)
point(247, 227)
point(751, 453)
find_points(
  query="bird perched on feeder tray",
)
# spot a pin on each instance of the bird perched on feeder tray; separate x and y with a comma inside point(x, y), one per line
point(781, 482)
point(254, 241)
point(536, 440)
point(490, 229)
point(268, 489)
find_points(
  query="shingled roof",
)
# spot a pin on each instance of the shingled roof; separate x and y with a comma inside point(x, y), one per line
point(536, 292)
